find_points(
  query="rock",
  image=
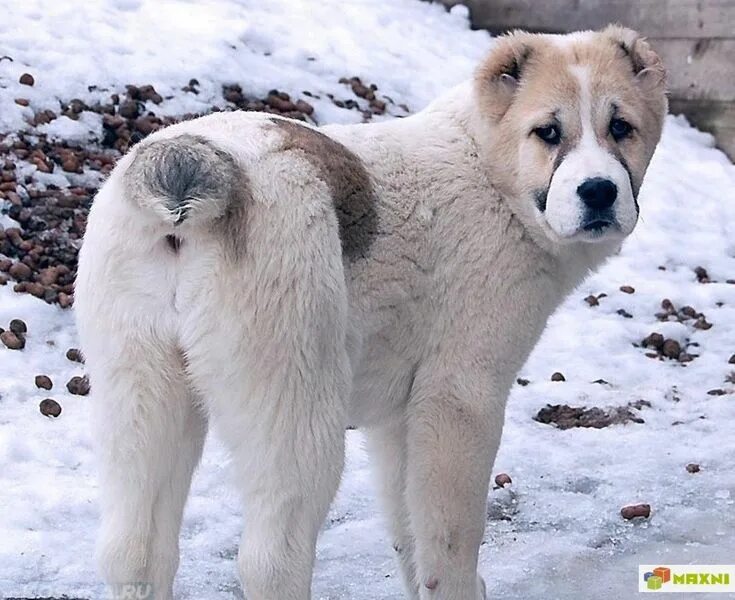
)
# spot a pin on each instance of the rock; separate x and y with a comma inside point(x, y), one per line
point(27, 79)
point(22, 101)
point(78, 386)
point(558, 377)
point(592, 300)
point(148, 92)
point(624, 313)
point(690, 312)
point(304, 107)
point(50, 408)
point(128, 109)
point(567, 417)
point(65, 300)
point(626, 289)
point(692, 468)
point(20, 271)
point(702, 275)
point(636, 511)
point(671, 349)
point(75, 355)
point(44, 382)
point(717, 392)
point(522, 382)
point(146, 125)
point(503, 479)
point(654, 340)
point(732, 360)
point(12, 341)
point(18, 326)
point(71, 164)
point(702, 324)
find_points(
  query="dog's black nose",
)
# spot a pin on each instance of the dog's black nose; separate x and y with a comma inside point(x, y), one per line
point(598, 193)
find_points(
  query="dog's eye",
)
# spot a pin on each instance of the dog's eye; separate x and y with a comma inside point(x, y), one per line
point(549, 134)
point(619, 128)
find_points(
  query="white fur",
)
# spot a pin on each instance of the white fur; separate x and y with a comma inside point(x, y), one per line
point(285, 345)
point(565, 209)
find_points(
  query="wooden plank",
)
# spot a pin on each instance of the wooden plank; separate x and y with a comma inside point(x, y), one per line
point(699, 68)
point(718, 118)
point(656, 18)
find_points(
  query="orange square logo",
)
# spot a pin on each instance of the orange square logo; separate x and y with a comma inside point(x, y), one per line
point(663, 572)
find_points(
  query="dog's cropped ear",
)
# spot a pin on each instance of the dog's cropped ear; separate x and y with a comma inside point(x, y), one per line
point(647, 66)
point(498, 77)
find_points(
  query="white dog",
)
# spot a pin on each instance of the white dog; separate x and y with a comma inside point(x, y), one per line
point(283, 281)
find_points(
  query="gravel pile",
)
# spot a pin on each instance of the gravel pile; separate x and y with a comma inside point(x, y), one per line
point(39, 256)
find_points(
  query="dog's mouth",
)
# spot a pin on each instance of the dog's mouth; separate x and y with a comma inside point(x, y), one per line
point(597, 225)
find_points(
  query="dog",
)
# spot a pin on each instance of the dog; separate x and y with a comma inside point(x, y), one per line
point(282, 281)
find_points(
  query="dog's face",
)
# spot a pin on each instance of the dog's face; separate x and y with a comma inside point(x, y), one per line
point(572, 122)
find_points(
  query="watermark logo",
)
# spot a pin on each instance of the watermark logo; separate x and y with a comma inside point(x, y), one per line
point(686, 578)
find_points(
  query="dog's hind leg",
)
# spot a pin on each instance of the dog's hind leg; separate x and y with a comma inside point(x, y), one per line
point(267, 344)
point(151, 434)
point(387, 448)
point(149, 430)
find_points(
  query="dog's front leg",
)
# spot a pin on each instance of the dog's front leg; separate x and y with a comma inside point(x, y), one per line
point(454, 426)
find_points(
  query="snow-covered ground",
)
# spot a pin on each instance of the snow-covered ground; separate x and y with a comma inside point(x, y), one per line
point(557, 533)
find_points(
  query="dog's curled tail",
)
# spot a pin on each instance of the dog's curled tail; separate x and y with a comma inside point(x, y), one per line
point(182, 178)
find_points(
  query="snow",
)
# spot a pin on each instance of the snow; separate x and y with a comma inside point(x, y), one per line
point(557, 532)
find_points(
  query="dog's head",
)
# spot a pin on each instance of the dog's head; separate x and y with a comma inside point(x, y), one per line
point(570, 123)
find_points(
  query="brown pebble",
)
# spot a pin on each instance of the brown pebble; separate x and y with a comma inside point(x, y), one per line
point(592, 300)
point(702, 324)
point(523, 382)
point(26, 79)
point(503, 479)
point(702, 275)
point(50, 407)
point(732, 360)
point(671, 349)
point(693, 468)
point(44, 382)
point(71, 164)
point(75, 355)
point(654, 340)
point(128, 109)
point(558, 377)
point(636, 510)
point(717, 392)
point(20, 271)
point(78, 386)
point(627, 289)
point(12, 341)
point(22, 101)
point(18, 326)
point(624, 313)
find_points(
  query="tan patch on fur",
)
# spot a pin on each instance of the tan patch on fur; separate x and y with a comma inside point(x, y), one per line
point(347, 179)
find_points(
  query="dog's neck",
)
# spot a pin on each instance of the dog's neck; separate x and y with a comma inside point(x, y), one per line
point(456, 110)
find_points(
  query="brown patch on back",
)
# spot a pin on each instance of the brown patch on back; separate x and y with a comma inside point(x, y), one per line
point(348, 182)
